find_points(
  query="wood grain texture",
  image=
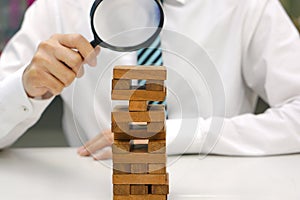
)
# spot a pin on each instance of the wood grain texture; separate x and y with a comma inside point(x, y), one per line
point(123, 84)
point(139, 168)
point(156, 127)
point(136, 158)
point(139, 148)
point(160, 189)
point(140, 197)
point(140, 72)
point(157, 146)
point(121, 146)
point(155, 168)
point(156, 113)
point(121, 168)
point(138, 95)
point(155, 85)
point(156, 179)
point(138, 106)
point(138, 189)
point(121, 189)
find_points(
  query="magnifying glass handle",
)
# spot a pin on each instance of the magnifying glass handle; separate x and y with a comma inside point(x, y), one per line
point(94, 43)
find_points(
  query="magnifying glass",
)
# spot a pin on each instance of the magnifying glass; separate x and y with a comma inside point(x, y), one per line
point(126, 25)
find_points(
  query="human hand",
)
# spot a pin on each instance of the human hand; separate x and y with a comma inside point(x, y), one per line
point(97, 147)
point(56, 63)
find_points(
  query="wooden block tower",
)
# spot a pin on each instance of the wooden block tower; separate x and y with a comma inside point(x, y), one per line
point(139, 148)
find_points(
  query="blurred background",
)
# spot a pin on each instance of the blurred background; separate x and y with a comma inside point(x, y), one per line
point(47, 132)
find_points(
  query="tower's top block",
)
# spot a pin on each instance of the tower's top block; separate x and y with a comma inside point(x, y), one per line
point(140, 72)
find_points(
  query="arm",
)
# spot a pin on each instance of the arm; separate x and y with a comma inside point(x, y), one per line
point(31, 69)
point(271, 68)
point(18, 112)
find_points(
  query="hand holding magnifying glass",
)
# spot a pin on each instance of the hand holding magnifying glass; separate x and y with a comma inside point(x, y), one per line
point(120, 25)
point(126, 25)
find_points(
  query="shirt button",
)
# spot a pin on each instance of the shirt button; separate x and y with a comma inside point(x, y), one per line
point(25, 108)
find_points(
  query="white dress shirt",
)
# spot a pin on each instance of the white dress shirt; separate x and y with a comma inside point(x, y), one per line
point(221, 55)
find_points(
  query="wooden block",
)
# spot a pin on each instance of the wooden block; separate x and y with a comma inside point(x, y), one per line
point(123, 84)
point(138, 95)
point(141, 197)
point(157, 168)
point(156, 127)
point(155, 85)
point(151, 128)
point(157, 146)
point(140, 72)
point(139, 142)
point(139, 168)
point(121, 168)
point(121, 189)
point(142, 135)
point(121, 146)
point(160, 189)
point(138, 105)
point(157, 179)
point(136, 158)
point(156, 113)
point(138, 189)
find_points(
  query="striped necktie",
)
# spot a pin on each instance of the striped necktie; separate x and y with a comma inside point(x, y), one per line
point(151, 56)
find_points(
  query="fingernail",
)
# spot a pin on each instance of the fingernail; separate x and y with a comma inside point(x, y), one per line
point(80, 149)
point(97, 50)
point(80, 72)
point(93, 56)
point(83, 152)
point(91, 59)
point(94, 62)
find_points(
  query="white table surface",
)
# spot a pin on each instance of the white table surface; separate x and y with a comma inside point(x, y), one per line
point(60, 174)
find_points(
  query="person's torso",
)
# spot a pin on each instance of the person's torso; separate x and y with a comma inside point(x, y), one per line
point(203, 43)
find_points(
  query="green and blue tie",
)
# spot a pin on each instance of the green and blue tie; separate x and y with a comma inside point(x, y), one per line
point(151, 56)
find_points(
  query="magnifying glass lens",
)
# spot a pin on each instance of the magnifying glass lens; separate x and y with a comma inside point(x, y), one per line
point(126, 24)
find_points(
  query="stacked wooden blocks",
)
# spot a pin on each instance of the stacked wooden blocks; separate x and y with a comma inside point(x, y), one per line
point(139, 148)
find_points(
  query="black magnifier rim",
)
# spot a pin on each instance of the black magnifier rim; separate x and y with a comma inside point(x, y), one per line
point(145, 44)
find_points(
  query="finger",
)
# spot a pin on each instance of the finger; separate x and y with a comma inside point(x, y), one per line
point(69, 57)
point(33, 79)
point(98, 145)
point(104, 154)
point(52, 84)
point(92, 57)
point(47, 95)
point(98, 137)
point(80, 72)
point(83, 46)
point(99, 142)
point(104, 135)
point(61, 72)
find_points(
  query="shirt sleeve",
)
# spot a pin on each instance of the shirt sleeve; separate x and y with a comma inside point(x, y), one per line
point(271, 68)
point(17, 111)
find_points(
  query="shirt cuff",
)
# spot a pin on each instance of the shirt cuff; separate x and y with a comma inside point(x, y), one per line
point(15, 105)
point(186, 136)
